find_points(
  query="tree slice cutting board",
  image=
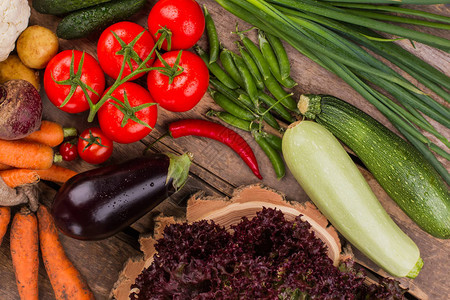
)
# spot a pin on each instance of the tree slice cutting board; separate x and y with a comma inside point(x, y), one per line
point(246, 201)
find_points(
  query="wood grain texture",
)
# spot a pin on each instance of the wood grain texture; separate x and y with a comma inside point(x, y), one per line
point(218, 171)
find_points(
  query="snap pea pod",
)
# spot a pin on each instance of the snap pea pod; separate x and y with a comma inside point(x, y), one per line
point(277, 107)
point(280, 94)
point(216, 70)
point(273, 155)
point(256, 55)
point(231, 107)
point(228, 64)
point(230, 93)
point(267, 117)
point(251, 65)
point(213, 39)
point(272, 60)
point(247, 78)
point(233, 120)
point(280, 53)
point(273, 140)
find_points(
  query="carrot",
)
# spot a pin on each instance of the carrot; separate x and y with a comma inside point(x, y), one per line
point(4, 167)
point(56, 173)
point(15, 177)
point(25, 253)
point(66, 281)
point(27, 155)
point(51, 134)
point(5, 215)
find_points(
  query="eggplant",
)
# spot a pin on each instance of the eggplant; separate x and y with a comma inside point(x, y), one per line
point(99, 203)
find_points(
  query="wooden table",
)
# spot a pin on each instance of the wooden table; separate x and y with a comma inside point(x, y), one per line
point(218, 171)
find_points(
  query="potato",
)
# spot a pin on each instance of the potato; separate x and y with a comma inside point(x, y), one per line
point(36, 46)
point(13, 68)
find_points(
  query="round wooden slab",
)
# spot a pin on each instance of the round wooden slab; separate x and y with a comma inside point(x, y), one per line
point(246, 201)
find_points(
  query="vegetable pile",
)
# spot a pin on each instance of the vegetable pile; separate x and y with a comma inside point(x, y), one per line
point(331, 34)
point(267, 257)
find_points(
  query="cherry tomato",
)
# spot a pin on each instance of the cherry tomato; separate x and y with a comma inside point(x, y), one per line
point(184, 18)
point(94, 146)
point(131, 129)
point(111, 50)
point(68, 151)
point(58, 69)
point(187, 88)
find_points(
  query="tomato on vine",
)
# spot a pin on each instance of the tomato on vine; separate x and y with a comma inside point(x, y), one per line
point(68, 151)
point(71, 78)
point(94, 146)
point(129, 115)
point(120, 40)
point(183, 82)
point(183, 18)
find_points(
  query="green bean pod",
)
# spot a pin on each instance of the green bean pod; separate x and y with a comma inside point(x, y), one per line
point(249, 83)
point(280, 94)
point(272, 60)
point(280, 53)
point(251, 65)
point(273, 155)
point(231, 107)
point(213, 39)
point(257, 56)
point(273, 140)
point(230, 93)
point(216, 70)
point(230, 67)
point(233, 120)
point(277, 107)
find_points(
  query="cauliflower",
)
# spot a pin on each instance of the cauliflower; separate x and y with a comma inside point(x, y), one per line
point(14, 15)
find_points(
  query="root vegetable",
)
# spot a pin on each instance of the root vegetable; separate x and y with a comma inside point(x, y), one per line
point(36, 46)
point(13, 68)
point(51, 134)
point(26, 155)
point(66, 281)
point(56, 174)
point(5, 216)
point(20, 109)
point(17, 177)
point(25, 253)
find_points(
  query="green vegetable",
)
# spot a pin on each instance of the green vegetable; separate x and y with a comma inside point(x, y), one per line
point(86, 21)
point(232, 120)
point(252, 67)
point(280, 52)
point(399, 168)
point(247, 78)
point(228, 64)
point(231, 107)
point(59, 7)
point(275, 158)
point(213, 39)
point(333, 182)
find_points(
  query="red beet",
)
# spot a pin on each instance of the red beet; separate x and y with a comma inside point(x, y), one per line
point(20, 108)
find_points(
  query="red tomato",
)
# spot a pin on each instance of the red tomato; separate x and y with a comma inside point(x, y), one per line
point(68, 151)
point(58, 69)
point(111, 118)
point(108, 48)
point(94, 146)
point(187, 88)
point(184, 18)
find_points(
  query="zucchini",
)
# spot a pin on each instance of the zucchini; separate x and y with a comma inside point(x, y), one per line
point(401, 170)
point(96, 18)
point(59, 7)
point(333, 182)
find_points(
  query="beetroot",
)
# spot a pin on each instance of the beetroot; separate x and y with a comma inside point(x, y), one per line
point(20, 108)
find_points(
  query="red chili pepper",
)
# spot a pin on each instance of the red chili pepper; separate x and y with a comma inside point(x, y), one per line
point(219, 133)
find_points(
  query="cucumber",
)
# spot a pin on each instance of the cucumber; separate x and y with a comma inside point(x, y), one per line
point(96, 18)
point(401, 170)
point(59, 7)
point(336, 186)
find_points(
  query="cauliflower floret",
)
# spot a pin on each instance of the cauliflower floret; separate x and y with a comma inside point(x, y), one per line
point(14, 15)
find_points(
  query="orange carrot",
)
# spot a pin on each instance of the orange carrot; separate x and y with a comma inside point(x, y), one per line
point(66, 281)
point(26, 155)
point(15, 177)
point(25, 253)
point(5, 215)
point(56, 173)
point(4, 167)
point(51, 134)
